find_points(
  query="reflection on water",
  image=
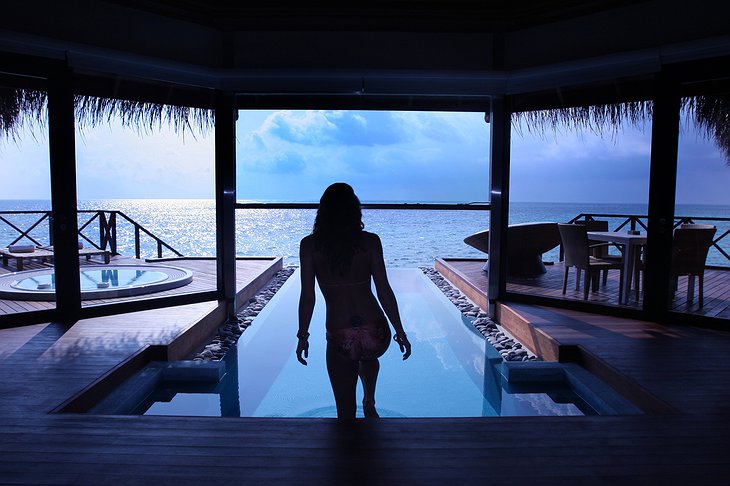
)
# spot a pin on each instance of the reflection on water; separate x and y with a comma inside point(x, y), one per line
point(92, 279)
point(453, 371)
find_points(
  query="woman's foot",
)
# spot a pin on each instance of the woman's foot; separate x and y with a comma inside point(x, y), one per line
point(368, 408)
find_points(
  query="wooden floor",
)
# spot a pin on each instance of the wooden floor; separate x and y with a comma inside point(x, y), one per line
point(550, 284)
point(204, 279)
point(686, 369)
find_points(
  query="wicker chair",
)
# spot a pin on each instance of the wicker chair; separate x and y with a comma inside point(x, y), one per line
point(578, 254)
point(690, 246)
point(599, 249)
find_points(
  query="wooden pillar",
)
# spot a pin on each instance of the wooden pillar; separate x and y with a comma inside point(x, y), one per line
point(499, 158)
point(225, 195)
point(662, 189)
point(62, 149)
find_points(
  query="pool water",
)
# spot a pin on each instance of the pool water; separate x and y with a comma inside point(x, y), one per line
point(92, 279)
point(97, 281)
point(453, 371)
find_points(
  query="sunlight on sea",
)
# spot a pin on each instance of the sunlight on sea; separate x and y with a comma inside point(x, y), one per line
point(411, 238)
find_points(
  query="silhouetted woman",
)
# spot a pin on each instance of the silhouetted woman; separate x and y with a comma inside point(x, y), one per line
point(343, 258)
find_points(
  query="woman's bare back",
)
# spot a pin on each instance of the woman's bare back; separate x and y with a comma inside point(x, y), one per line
point(348, 296)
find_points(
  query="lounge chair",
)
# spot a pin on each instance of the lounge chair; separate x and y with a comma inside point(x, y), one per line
point(21, 253)
point(24, 252)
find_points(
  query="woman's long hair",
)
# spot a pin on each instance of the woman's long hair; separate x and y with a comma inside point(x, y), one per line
point(338, 226)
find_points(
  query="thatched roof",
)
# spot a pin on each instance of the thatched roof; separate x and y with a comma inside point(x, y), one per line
point(711, 113)
point(19, 106)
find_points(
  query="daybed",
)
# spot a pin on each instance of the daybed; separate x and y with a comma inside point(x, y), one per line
point(526, 242)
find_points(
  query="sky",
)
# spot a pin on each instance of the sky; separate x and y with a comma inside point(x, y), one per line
point(385, 156)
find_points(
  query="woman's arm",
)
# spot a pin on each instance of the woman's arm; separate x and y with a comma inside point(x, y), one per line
point(386, 296)
point(306, 299)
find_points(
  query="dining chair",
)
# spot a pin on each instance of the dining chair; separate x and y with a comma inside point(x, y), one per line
point(577, 252)
point(599, 249)
point(690, 245)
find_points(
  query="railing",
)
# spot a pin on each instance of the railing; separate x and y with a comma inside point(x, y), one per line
point(473, 206)
point(639, 221)
point(414, 234)
point(107, 221)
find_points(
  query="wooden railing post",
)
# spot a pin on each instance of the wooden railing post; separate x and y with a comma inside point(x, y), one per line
point(50, 228)
point(113, 232)
point(103, 236)
point(137, 251)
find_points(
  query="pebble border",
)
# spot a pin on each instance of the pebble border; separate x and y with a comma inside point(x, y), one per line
point(509, 348)
point(228, 334)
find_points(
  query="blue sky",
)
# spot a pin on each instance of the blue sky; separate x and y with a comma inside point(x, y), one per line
point(406, 156)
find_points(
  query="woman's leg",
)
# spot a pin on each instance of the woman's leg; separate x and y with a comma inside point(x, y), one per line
point(368, 372)
point(343, 377)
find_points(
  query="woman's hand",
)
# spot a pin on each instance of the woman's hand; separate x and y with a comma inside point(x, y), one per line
point(403, 344)
point(303, 348)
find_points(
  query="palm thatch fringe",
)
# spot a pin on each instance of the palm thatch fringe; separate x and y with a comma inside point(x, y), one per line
point(145, 117)
point(711, 113)
point(598, 119)
point(19, 107)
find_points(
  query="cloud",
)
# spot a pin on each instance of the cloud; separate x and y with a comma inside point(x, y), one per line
point(387, 155)
point(319, 128)
point(118, 162)
point(25, 163)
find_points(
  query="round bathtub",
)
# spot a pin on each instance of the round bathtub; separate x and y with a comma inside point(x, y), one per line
point(97, 281)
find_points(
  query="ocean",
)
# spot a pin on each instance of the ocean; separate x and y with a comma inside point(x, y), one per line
point(411, 238)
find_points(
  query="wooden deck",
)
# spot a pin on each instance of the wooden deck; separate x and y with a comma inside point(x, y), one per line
point(204, 279)
point(688, 370)
point(550, 284)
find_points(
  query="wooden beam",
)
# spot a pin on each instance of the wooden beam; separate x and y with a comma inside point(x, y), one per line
point(225, 194)
point(662, 189)
point(62, 149)
point(499, 167)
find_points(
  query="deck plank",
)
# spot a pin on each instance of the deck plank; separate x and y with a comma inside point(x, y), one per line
point(550, 284)
point(685, 367)
point(204, 279)
point(44, 364)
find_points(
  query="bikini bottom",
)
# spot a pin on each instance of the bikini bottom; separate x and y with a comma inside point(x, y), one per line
point(362, 340)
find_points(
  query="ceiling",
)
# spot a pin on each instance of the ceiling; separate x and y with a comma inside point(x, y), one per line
point(403, 15)
point(390, 53)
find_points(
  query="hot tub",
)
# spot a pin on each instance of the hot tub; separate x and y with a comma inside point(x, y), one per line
point(97, 281)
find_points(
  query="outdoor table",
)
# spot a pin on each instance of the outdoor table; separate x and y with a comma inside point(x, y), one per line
point(631, 243)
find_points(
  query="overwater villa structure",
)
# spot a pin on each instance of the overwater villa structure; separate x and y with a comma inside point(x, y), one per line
point(201, 62)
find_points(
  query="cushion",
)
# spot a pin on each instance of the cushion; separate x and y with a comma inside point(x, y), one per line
point(21, 248)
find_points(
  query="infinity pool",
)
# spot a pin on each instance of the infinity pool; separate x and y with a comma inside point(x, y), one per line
point(453, 371)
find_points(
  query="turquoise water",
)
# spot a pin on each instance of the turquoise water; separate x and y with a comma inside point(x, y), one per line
point(411, 238)
point(453, 371)
point(93, 279)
